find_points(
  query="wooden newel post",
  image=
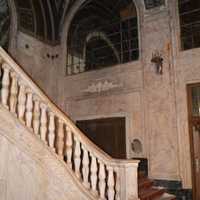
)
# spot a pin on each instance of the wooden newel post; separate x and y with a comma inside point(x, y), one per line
point(128, 173)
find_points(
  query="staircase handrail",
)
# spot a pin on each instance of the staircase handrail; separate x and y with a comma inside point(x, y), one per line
point(20, 94)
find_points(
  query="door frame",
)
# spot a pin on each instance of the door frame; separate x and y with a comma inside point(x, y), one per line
point(191, 122)
point(127, 125)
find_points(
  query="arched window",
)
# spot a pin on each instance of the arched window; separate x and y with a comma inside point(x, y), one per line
point(40, 18)
point(4, 23)
point(102, 33)
point(189, 11)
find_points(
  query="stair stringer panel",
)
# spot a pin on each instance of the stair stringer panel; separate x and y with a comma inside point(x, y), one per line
point(29, 170)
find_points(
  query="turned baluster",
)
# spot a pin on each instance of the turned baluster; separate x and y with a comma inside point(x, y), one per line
point(102, 182)
point(69, 143)
point(13, 93)
point(5, 85)
point(77, 155)
point(85, 168)
point(93, 176)
point(1, 60)
point(117, 186)
point(51, 135)
point(60, 139)
point(21, 101)
point(43, 121)
point(36, 117)
point(29, 110)
point(111, 183)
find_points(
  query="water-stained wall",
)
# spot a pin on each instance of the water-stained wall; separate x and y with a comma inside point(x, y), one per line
point(155, 105)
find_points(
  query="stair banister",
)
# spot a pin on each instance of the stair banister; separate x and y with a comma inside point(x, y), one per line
point(34, 109)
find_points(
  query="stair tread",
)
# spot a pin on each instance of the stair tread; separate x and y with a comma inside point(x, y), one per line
point(166, 196)
point(151, 192)
point(145, 183)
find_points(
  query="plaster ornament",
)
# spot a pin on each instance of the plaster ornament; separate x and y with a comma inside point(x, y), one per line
point(101, 86)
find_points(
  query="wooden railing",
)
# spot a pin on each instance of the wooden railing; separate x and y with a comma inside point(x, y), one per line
point(102, 176)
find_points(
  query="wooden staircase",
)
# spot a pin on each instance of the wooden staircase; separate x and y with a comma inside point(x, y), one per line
point(147, 191)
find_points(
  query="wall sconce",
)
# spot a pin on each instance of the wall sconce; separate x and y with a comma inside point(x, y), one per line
point(158, 61)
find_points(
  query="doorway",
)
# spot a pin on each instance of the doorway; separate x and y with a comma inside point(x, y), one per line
point(108, 133)
point(194, 129)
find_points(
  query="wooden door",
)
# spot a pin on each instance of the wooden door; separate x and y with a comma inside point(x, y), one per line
point(194, 125)
point(108, 134)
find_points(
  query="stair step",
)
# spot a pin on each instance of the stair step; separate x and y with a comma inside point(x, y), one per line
point(141, 175)
point(166, 196)
point(145, 183)
point(151, 193)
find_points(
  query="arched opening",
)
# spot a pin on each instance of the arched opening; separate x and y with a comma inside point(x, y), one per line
point(4, 24)
point(102, 33)
point(40, 18)
point(189, 12)
point(99, 57)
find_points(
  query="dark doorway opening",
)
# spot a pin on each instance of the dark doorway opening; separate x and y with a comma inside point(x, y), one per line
point(109, 134)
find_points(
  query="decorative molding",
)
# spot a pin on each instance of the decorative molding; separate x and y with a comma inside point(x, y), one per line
point(101, 86)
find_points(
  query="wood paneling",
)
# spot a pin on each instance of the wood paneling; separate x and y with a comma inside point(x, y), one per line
point(108, 134)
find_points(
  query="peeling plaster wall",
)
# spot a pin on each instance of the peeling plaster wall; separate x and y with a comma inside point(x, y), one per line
point(155, 106)
point(40, 61)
